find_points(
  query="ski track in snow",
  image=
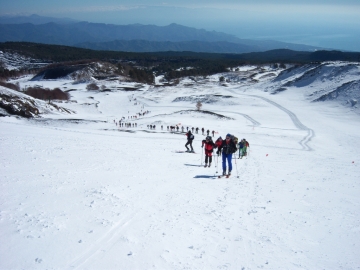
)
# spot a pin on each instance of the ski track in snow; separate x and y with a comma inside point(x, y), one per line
point(310, 133)
point(102, 243)
point(304, 142)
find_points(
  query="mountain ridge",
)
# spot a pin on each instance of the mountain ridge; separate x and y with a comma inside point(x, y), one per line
point(93, 34)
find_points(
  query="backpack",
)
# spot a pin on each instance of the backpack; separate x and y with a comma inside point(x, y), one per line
point(235, 140)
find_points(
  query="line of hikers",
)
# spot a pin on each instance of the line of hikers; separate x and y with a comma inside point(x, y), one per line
point(172, 129)
point(226, 149)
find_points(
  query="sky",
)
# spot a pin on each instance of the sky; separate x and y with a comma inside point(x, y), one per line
point(326, 23)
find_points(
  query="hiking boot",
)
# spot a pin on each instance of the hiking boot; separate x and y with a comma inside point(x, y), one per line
point(224, 173)
point(209, 164)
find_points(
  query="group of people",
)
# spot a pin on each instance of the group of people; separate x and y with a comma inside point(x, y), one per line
point(192, 129)
point(225, 148)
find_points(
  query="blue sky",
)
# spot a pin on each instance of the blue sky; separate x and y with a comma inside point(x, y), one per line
point(327, 23)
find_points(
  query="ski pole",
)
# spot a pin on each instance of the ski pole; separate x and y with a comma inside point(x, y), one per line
point(217, 163)
point(237, 172)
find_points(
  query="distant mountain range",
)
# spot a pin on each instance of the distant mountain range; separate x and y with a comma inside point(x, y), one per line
point(131, 38)
point(34, 19)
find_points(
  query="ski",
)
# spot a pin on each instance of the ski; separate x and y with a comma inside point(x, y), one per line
point(185, 152)
point(226, 176)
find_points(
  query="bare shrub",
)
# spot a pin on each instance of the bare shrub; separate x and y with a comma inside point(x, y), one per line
point(12, 86)
point(57, 93)
point(92, 86)
point(47, 94)
point(198, 105)
point(38, 92)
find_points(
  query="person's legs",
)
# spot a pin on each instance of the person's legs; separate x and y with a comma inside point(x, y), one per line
point(229, 157)
point(224, 162)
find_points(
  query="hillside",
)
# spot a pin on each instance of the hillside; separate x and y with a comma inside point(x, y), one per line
point(318, 81)
point(65, 53)
point(107, 179)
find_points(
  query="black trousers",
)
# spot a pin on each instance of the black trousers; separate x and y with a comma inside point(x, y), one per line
point(189, 143)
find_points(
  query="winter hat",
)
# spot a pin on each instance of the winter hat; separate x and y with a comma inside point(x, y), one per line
point(228, 135)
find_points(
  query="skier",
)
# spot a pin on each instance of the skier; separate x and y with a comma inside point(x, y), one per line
point(246, 145)
point(209, 147)
point(241, 148)
point(228, 147)
point(190, 138)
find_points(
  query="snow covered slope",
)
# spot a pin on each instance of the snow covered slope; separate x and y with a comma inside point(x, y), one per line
point(16, 103)
point(338, 81)
point(12, 61)
point(81, 192)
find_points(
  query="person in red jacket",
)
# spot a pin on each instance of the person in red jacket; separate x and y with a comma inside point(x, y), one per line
point(209, 147)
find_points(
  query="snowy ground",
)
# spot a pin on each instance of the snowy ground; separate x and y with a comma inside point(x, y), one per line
point(86, 194)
